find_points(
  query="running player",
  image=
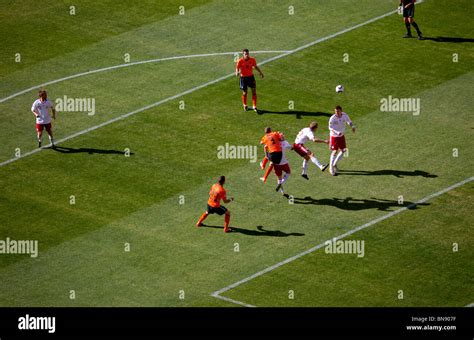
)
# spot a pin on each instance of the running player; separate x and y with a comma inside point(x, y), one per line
point(337, 127)
point(244, 68)
point(408, 14)
point(40, 109)
point(303, 136)
point(216, 194)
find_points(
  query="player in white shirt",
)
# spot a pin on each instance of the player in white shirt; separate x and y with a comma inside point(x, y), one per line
point(337, 127)
point(303, 136)
point(41, 108)
point(283, 166)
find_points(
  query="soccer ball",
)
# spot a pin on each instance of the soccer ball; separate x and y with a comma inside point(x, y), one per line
point(339, 88)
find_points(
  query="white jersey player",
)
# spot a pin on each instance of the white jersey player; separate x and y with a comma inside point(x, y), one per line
point(337, 127)
point(305, 135)
point(41, 109)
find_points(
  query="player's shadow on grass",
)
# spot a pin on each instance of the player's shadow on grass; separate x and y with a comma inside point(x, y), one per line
point(396, 173)
point(259, 232)
point(64, 149)
point(297, 113)
point(449, 39)
point(350, 203)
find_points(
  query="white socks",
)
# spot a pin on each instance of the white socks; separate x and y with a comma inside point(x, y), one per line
point(338, 158)
point(315, 161)
point(305, 166)
point(285, 178)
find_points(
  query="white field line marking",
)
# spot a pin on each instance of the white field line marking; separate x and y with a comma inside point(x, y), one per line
point(333, 35)
point(182, 93)
point(217, 293)
point(77, 75)
point(234, 301)
point(469, 305)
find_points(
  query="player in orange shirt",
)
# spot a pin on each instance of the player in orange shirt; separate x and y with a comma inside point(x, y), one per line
point(214, 206)
point(244, 68)
point(272, 140)
point(273, 152)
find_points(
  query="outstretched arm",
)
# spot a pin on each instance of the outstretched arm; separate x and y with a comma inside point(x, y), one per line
point(319, 140)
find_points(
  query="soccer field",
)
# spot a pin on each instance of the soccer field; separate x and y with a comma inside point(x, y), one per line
point(114, 207)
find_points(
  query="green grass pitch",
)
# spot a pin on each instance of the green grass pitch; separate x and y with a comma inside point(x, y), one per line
point(130, 238)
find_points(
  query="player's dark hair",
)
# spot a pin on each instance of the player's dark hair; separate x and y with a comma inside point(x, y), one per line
point(221, 180)
point(313, 125)
point(338, 107)
point(268, 129)
point(245, 50)
point(41, 92)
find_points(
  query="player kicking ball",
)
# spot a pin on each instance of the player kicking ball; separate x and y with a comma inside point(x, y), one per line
point(214, 206)
point(40, 109)
point(337, 127)
point(244, 68)
point(303, 136)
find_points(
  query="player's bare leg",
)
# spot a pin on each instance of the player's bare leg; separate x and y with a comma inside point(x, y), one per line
point(226, 222)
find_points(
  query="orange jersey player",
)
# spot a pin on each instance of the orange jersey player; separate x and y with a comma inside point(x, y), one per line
point(272, 142)
point(216, 194)
point(244, 68)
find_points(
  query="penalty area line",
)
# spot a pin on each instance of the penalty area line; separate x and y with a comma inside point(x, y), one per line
point(284, 54)
point(217, 294)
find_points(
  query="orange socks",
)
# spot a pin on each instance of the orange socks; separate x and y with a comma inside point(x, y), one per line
point(226, 222)
point(270, 168)
point(244, 99)
point(201, 219)
point(254, 100)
